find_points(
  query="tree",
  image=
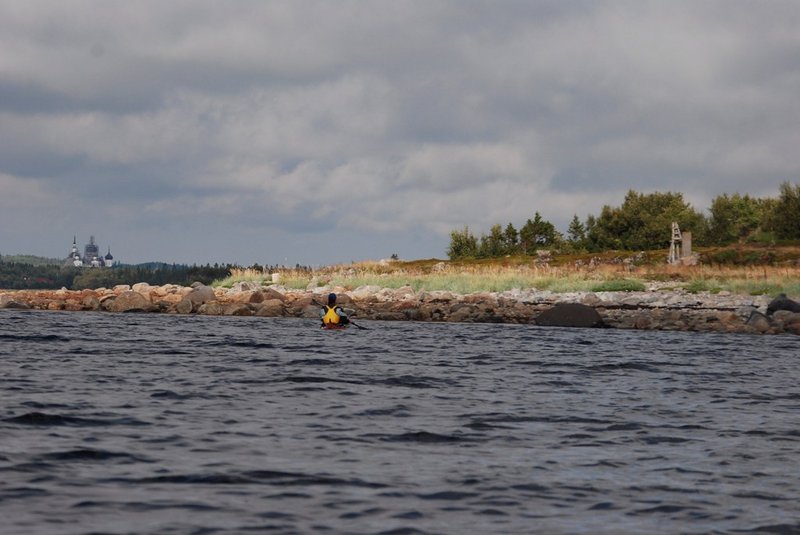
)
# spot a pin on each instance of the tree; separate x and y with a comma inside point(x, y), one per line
point(785, 216)
point(537, 233)
point(493, 245)
point(511, 239)
point(463, 244)
point(643, 222)
point(576, 233)
point(735, 217)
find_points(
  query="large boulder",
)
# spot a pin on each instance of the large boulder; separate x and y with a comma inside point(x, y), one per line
point(271, 308)
point(201, 294)
point(130, 301)
point(570, 315)
point(7, 301)
point(782, 303)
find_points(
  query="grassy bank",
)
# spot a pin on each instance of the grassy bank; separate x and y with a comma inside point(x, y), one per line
point(523, 272)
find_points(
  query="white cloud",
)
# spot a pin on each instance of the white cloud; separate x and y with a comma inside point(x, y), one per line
point(413, 116)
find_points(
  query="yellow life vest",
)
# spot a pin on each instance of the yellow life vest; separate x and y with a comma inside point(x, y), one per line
point(330, 316)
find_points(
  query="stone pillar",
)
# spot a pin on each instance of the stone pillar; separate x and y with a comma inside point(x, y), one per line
point(686, 242)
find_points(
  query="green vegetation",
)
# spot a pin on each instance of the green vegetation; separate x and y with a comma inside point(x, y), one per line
point(619, 285)
point(643, 222)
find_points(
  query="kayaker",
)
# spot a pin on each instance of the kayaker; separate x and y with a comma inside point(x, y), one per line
point(332, 314)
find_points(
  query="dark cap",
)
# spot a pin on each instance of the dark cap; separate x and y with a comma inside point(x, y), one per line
point(331, 299)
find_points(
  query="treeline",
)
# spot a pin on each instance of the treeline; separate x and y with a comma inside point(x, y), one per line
point(643, 222)
point(18, 276)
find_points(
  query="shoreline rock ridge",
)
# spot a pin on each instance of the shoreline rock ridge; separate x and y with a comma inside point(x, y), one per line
point(654, 309)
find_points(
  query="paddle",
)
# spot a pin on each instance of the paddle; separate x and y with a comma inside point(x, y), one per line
point(354, 324)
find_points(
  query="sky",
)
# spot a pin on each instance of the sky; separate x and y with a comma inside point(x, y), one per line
point(319, 132)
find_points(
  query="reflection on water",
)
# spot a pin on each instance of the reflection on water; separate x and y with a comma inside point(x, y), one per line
point(166, 424)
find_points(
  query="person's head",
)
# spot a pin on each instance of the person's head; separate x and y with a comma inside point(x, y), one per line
point(331, 299)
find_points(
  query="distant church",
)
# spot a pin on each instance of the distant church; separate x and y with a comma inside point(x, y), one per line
point(91, 255)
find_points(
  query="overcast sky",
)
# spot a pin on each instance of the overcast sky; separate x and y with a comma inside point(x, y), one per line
point(332, 131)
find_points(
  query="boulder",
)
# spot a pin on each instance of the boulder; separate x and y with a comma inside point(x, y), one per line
point(570, 315)
point(201, 295)
point(758, 322)
point(130, 301)
point(247, 296)
point(246, 286)
point(90, 302)
point(237, 309)
point(141, 287)
point(782, 303)
point(363, 292)
point(185, 306)
point(272, 293)
point(271, 308)
point(7, 301)
point(211, 308)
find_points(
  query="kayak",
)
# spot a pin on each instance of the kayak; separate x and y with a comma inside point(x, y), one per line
point(334, 327)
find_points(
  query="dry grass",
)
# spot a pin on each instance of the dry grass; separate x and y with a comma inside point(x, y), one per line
point(507, 274)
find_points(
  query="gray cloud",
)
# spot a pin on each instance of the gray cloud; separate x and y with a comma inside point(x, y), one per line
point(319, 132)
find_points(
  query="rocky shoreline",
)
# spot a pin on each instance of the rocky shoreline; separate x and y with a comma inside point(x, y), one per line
point(655, 309)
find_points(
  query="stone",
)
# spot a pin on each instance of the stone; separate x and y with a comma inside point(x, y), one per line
point(570, 315)
point(212, 308)
point(7, 301)
point(247, 296)
point(590, 300)
point(461, 313)
point(141, 287)
point(786, 317)
point(272, 293)
point(119, 288)
point(201, 295)
point(185, 306)
point(90, 302)
point(759, 322)
point(643, 322)
point(246, 286)
point(362, 292)
point(130, 301)
point(782, 303)
point(238, 309)
point(271, 308)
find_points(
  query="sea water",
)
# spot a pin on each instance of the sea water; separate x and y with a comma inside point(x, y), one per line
point(128, 424)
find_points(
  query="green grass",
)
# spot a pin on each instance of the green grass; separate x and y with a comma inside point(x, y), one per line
point(703, 285)
point(619, 285)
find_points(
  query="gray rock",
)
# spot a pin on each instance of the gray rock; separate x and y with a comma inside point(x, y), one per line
point(782, 303)
point(570, 315)
point(245, 286)
point(201, 294)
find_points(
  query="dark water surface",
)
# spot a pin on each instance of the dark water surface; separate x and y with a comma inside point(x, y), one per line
point(182, 424)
